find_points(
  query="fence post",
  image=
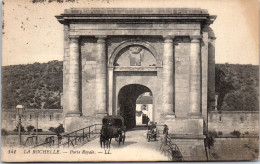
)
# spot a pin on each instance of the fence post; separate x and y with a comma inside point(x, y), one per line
point(58, 142)
point(34, 141)
point(89, 131)
point(75, 136)
point(83, 134)
point(68, 141)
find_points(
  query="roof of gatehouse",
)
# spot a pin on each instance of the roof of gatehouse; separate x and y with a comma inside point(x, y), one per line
point(136, 11)
point(140, 14)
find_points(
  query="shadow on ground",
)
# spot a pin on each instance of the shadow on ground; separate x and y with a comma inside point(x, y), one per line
point(138, 128)
point(115, 144)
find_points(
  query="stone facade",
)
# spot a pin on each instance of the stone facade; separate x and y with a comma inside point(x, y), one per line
point(168, 52)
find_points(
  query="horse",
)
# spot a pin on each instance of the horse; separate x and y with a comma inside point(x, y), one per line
point(106, 135)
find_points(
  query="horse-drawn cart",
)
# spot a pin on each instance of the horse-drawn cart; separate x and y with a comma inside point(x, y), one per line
point(112, 127)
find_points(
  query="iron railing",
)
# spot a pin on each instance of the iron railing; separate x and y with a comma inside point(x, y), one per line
point(48, 143)
point(31, 141)
point(171, 150)
point(71, 139)
point(79, 137)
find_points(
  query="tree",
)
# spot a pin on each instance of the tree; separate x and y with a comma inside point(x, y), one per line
point(22, 128)
point(237, 87)
point(223, 86)
point(30, 128)
point(37, 85)
point(4, 132)
point(58, 130)
point(52, 129)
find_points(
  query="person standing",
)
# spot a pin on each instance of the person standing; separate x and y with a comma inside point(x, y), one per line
point(148, 121)
point(165, 134)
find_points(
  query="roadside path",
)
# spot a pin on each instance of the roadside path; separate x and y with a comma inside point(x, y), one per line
point(136, 147)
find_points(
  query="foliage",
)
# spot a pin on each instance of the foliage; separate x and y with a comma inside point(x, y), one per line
point(237, 87)
point(223, 86)
point(236, 133)
point(33, 85)
point(22, 128)
point(52, 129)
point(212, 134)
point(58, 130)
point(4, 132)
point(220, 133)
point(210, 138)
point(30, 128)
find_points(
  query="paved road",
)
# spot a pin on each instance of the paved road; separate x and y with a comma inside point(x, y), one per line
point(136, 148)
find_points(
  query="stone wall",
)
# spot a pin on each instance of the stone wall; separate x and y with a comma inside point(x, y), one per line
point(225, 122)
point(228, 121)
point(191, 149)
point(235, 149)
point(46, 118)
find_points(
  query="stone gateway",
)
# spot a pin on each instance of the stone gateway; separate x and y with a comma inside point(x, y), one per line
point(112, 56)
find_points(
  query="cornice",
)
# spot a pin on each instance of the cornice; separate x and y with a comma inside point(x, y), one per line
point(136, 15)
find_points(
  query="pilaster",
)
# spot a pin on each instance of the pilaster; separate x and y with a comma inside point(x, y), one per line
point(101, 76)
point(74, 75)
point(195, 77)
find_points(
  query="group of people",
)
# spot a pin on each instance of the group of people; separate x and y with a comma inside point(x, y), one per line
point(153, 129)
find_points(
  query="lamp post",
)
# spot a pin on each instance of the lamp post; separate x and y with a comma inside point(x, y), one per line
point(20, 109)
point(36, 128)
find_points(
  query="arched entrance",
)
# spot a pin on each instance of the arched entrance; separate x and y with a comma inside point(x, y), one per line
point(134, 67)
point(127, 97)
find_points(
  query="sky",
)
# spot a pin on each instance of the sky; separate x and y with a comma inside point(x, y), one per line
point(31, 33)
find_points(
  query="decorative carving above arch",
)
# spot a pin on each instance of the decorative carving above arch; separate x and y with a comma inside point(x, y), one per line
point(135, 48)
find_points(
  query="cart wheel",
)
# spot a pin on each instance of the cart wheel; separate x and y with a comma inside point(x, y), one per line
point(101, 140)
point(118, 142)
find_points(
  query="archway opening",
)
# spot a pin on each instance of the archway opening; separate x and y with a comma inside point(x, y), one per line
point(135, 104)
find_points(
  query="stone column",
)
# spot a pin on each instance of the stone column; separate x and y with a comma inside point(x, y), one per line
point(74, 81)
point(101, 76)
point(195, 77)
point(66, 58)
point(168, 75)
